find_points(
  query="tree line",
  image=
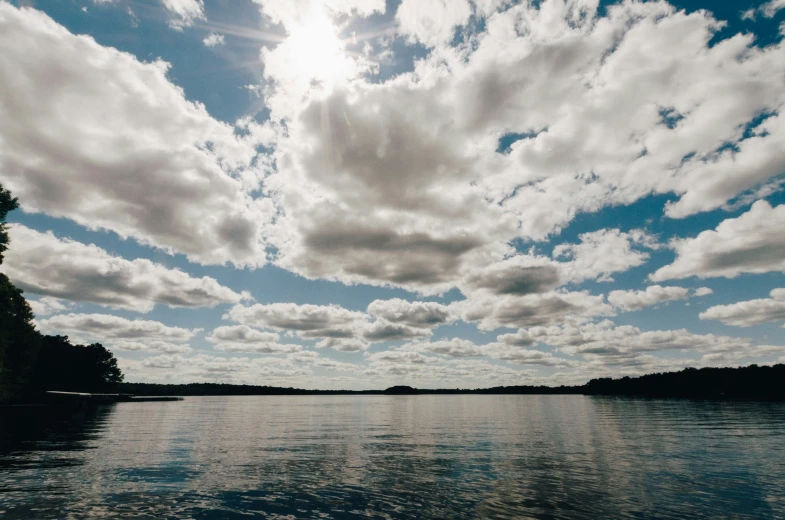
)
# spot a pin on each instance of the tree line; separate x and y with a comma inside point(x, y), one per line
point(31, 362)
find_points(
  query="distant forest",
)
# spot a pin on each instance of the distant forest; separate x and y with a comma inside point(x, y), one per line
point(751, 382)
point(31, 363)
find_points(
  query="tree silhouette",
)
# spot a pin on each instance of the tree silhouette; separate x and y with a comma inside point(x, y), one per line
point(7, 204)
point(19, 341)
point(75, 368)
point(30, 362)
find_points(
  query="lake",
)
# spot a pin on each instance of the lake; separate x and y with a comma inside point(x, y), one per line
point(425, 456)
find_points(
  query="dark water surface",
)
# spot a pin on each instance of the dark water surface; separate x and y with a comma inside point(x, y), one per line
point(436, 456)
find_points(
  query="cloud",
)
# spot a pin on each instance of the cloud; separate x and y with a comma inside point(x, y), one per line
point(602, 253)
point(213, 40)
point(98, 137)
point(240, 338)
point(105, 327)
point(750, 243)
point(455, 347)
point(419, 198)
point(47, 305)
point(151, 346)
point(343, 344)
point(522, 356)
point(311, 320)
point(532, 310)
point(292, 12)
point(241, 334)
point(751, 312)
point(183, 13)
point(41, 263)
point(652, 295)
point(518, 275)
point(703, 291)
point(432, 22)
point(606, 344)
point(768, 10)
point(412, 314)
point(381, 330)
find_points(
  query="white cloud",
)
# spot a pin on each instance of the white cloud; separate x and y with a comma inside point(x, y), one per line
point(532, 310)
point(213, 40)
point(151, 346)
point(241, 334)
point(310, 320)
point(602, 253)
point(413, 314)
point(184, 13)
point(751, 243)
point(751, 312)
point(519, 275)
point(652, 295)
point(41, 263)
point(455, 347)
point(432, 22)
point(98, 137)
point(240, 338)
point(343, 344)
point(108, 328)
point(703, 291)
point(292, 12)
point(605, 344)
point(47, 305)
point(522, 356)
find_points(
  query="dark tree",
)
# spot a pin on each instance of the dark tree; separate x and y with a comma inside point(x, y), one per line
point(18, 338)
point(19, 341)
point(30, 363)
point(7, 203)
point(75, 368)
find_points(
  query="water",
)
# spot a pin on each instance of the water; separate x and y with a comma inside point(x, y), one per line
point(448, 456)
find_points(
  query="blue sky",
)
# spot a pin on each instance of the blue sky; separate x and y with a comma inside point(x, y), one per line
point(345, 194)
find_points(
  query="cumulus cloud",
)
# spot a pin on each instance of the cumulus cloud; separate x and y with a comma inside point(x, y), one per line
point(183, 13)
point(100, 327)
point(432, 22)
point(703, 291)
point(413, 314)
point(213, 40)
point(455, 347)
point(41, 263)
point(418, 198)
point(96, 136)
point(751, 243)
point(151, 346)
point(602, 253)
point(605, 344)
point(750, 312)
point(47, 305)
point(240, 338)
point(518, 275)
point(652, 295)
point(532, 310)
point(292, 12)
point(311, 320)
point(522, 356)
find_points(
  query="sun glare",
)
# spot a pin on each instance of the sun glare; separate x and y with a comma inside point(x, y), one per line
point(315, 50)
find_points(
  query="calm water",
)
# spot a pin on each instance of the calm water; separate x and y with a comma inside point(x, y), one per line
point(397, 457)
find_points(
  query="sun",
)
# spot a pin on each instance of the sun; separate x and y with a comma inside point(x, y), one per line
point(315, 52)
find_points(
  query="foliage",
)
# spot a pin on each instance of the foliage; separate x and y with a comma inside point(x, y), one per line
point(19, 341)
point(7, 203)
point(30, 362)
point(76, 368)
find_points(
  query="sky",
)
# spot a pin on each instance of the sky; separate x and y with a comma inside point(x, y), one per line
point(358, 193)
